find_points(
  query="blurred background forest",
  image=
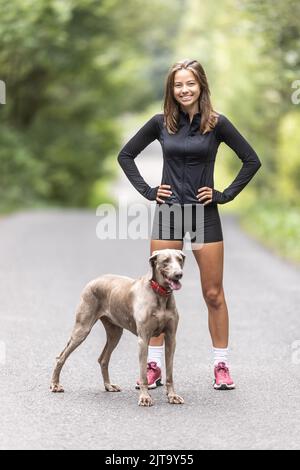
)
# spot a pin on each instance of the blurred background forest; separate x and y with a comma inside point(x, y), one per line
point(74, 69)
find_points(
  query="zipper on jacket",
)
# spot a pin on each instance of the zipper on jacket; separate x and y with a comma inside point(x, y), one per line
point(182, 184)
point(183, 171)
point(184, 162)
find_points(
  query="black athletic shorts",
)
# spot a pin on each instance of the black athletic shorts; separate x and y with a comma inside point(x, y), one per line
point(173, 221)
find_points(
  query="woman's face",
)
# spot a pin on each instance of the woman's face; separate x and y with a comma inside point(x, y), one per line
point(186, 89)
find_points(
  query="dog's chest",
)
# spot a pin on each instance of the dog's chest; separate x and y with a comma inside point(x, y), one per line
point(158, 320)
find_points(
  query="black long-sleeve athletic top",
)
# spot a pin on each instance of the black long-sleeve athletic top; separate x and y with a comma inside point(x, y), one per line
point(189, 158)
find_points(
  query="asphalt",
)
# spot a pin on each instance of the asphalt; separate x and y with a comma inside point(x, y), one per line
point(47, 256)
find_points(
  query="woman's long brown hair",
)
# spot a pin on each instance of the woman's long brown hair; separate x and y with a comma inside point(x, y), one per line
point(171, 106)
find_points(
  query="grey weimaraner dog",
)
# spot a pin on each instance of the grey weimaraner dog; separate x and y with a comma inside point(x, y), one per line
point(144, 306)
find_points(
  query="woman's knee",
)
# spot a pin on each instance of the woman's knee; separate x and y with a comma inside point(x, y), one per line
point(214, 297)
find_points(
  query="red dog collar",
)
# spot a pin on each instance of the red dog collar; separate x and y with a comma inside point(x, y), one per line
point(160, 289)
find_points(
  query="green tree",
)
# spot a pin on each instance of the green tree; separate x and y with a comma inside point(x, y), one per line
point(71, 67)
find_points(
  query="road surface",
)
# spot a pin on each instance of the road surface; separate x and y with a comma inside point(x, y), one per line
point(47, 256)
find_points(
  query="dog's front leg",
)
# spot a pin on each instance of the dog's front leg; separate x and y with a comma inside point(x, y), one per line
point(144, 398)
point(170, 344)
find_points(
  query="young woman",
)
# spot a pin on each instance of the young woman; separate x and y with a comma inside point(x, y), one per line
point(190, 132)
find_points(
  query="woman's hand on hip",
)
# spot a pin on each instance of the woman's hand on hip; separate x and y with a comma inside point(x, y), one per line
point(163, 191)
point(205, 193)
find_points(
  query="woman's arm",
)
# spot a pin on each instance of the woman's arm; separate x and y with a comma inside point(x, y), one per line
point(147, 134)
point(226, 132)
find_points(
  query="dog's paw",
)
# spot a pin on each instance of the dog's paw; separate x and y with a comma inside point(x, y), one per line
point(145, 400)
point(56, 388)
point(175, 399)
point(112, 388)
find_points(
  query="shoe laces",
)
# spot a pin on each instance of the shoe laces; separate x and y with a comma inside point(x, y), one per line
point(222, 369)
point(152, 365)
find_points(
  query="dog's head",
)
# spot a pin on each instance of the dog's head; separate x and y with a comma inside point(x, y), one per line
point(167, 267)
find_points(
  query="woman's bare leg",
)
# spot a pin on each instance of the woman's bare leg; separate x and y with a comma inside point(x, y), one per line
point(210, 262)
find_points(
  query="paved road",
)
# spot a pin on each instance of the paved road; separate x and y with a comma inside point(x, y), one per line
point(46, 257)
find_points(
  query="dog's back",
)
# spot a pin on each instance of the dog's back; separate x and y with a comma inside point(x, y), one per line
point(114, 295)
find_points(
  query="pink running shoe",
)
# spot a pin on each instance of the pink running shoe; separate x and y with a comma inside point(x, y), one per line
point(153, 376)
point(223, 381)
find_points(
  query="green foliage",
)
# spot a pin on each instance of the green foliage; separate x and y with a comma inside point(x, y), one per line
point(275, 226)
point(71, 67)
point(74, 68)
point(250, 50)
point(21, 174)
point(288, 158)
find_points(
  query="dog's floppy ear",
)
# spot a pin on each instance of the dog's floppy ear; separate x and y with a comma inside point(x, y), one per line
point(183, 255)
point(153, 258)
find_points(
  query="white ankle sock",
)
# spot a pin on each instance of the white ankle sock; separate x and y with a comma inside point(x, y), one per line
point(155, 354)
point(220, 355)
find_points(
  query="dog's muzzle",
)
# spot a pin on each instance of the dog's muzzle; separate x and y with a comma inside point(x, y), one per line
point(173, 281)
